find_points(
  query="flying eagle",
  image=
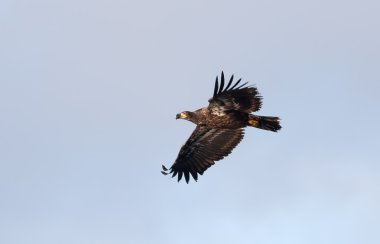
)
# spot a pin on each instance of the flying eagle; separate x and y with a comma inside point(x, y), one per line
point(220, 127)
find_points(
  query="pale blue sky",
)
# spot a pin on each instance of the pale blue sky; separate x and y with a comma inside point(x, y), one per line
point(88, 96)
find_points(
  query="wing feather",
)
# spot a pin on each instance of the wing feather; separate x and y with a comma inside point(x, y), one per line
point(221, 83)
point(236, 84)
point(216, 87)
point(179, 175)
point(194, 175)
point(229, 83)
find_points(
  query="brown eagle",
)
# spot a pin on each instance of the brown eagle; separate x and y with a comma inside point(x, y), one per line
point(220, 127)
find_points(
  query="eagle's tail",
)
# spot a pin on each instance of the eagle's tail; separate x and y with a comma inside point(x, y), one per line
point(264, 122)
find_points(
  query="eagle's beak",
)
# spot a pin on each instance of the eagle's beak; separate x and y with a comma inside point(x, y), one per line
point(180, 116)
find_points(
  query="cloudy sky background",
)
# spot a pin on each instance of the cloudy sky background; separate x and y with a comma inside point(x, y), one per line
point(88, 96)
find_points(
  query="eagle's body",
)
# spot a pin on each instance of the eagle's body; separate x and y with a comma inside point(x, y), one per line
point(204, 116)
point(220, 127)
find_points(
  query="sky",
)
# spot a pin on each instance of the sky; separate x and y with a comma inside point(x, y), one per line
point(89, 91)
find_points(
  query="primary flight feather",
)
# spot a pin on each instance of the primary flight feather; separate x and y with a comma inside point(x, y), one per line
point(220, 127)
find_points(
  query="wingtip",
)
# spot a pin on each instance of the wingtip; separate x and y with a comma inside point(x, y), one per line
point(179, 175)
point(187, 176)
point(216, 87)
point(164, 171)
point(221, 83)
point(229, 83)
point(235, 85)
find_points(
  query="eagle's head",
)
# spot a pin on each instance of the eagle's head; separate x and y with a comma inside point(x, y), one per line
point(184, 115)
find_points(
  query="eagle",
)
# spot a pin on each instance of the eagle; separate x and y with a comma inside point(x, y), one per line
point(220, 127)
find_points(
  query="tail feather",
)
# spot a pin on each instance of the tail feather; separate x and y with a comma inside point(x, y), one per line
point(264, 122)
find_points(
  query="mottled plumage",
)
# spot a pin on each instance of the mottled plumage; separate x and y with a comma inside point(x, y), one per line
point(220, 127)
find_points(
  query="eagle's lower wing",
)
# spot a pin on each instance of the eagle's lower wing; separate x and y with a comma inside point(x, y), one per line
point(202, 149)
point(234, 97)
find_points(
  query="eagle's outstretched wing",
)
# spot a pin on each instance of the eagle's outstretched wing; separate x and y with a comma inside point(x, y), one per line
point(202, 149)
point(236, 97)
